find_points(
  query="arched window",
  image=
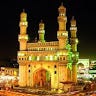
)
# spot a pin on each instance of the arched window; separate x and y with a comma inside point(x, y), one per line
point(55, 66)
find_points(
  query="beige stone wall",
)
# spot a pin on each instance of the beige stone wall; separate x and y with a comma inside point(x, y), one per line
point(22, 75)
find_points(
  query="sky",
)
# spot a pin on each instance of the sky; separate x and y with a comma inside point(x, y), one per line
point(83, 11)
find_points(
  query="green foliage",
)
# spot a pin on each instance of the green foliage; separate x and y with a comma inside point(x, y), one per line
point(69, 65)
point(47, 76)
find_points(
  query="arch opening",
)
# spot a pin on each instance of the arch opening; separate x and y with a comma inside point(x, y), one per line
point(42, 79)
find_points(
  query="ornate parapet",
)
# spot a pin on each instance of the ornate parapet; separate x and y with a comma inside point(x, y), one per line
point(42, 46)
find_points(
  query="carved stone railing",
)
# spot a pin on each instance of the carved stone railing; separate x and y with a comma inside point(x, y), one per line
point(39, 46)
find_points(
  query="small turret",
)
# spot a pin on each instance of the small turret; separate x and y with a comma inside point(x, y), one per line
point(41, 25)
point(23, 22)
point(73, 30)
point(23, 37)
point(23, 16)
point(41, 32)
point(62, 10)
point(62, 34)
point(62, 19)
point(73, 22)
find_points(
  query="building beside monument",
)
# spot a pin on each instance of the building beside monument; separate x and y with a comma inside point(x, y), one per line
point(46, 64)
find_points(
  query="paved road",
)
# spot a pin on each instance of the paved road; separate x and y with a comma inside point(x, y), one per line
point(23, 92)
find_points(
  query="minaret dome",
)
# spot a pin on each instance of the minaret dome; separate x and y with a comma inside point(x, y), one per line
point(41, 25)
point(73, 21)
point(23, 16)
point(62, 10)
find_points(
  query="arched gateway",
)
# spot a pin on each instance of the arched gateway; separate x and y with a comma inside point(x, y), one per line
point(42, 79)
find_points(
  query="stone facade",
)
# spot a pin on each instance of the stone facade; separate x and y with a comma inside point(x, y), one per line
point(48, 64)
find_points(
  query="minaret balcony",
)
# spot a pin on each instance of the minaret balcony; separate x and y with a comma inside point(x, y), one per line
point(41, 31)
point(73, 28)
point(25, 37)
point(23, 24)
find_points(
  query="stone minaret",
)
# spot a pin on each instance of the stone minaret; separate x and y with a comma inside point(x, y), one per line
point(62, 34)
point(74, 42)
point(41, 32)
point(23, 37)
